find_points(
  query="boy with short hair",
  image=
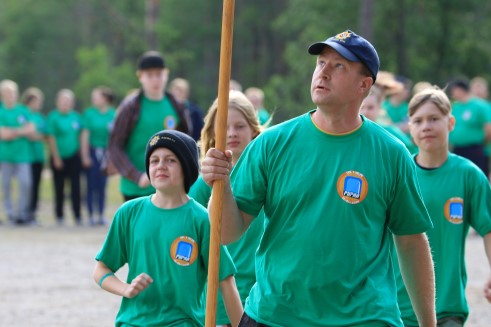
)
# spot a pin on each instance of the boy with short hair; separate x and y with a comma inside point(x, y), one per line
point(164, 238)
point(454, 203)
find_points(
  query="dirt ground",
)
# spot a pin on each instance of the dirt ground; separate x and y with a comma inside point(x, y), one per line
point(45, 277)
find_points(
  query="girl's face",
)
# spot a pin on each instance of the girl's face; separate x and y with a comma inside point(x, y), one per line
point(429, 128)
point(36, 104)
point(98, 99)
point(165, 171)
point(239, 132)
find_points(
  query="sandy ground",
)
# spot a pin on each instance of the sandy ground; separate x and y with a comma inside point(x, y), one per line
point(45, 277)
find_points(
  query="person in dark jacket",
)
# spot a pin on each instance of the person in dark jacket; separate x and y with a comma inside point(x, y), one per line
point(140, 115)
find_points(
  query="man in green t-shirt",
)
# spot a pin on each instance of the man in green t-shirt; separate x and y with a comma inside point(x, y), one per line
point(334, 187)
point(140, 115)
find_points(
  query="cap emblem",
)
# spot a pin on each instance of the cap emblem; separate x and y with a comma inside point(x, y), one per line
point(343, 36)
point(154, 140)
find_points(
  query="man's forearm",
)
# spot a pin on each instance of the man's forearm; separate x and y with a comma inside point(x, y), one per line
point(234, 222)
point(417, 270)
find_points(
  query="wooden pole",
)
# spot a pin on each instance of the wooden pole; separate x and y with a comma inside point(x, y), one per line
point(220, 134)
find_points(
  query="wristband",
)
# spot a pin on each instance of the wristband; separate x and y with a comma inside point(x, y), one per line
point(104, 277)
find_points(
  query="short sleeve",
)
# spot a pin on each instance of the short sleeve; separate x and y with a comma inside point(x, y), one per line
point(249, 178)
point(114, 251)
point(200, 191)
point(407, 213)
point(480, 202)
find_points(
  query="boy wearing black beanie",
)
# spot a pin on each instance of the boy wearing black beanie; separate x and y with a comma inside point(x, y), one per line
point(164, 239)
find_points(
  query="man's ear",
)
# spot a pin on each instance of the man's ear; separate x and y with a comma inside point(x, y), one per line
point(365, 84)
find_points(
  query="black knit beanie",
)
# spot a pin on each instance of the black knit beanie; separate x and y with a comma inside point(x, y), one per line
point(184, 147)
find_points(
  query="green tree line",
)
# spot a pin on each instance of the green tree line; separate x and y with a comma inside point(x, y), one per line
point(79, 44)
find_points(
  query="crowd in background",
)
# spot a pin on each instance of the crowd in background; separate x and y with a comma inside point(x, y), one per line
point(70, 147)
point(73, 144)
point(101, 140)
point(387, 105)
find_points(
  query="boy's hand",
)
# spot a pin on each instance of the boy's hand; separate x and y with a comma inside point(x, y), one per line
point(138, 285)
point(217, 165)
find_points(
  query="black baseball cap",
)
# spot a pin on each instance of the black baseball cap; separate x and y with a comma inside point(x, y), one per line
point(151, 59)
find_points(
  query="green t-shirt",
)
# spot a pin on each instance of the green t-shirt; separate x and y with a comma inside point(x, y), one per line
point(243, 252)
point(65, 128)
point(332, 203)
point(154, 117)
point(399, 134)
point(37, 146)
point(398, 114)
point(99, 125)
point(17, 150)
point(470, 119)
point(457, 196)
point(170, 245)
point(263, 116)
point(488, 145)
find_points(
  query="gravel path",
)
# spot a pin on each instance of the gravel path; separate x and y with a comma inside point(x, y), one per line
point(45, 278)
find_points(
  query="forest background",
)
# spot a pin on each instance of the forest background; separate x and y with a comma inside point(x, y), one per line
point(79, 44)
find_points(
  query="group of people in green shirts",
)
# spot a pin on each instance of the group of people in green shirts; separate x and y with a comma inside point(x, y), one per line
point(328, 219)
point(75, 142)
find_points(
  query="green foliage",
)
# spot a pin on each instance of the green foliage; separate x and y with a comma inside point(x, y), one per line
point(96, 68)
point(80, 44)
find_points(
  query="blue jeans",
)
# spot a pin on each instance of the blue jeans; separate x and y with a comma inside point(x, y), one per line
point(22, 173)
point(96, 183)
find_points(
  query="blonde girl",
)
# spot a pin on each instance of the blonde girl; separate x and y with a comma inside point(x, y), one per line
point(242, 127)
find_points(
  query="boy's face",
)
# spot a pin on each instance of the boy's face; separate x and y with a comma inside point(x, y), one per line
point(165, 171)
point(153, 81)
point(429, 128)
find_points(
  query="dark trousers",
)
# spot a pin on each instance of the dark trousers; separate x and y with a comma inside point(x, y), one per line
point(36, 171)
point(475, 153)
point(247, 321)
point(96, 183)
point(71, 170)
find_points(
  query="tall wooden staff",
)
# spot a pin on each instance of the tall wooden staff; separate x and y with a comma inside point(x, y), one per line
point(220, 133)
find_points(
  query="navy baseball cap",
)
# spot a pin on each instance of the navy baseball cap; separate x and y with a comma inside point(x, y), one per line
point(353, 48)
